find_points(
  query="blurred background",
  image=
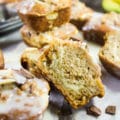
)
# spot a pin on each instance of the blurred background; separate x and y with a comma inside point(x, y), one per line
point(95, 4)
point(10, 22)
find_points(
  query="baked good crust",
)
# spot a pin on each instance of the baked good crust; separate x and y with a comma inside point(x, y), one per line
point(43, 23)
point(43, 16)
point(40, 39)
point(28, 63)
point(110, 66)
point(1, 60)
point(99, 24)
point(25, 96)
point(7, 1)
point(42, 7)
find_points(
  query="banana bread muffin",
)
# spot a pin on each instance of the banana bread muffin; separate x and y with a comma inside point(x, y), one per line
point(99, 24)
point(80, 13)
point(39, 39)
point(22, 96)
point(1, 60)
point(110, 54)
point(42, 15)
point(70, 68)
point(29, 60)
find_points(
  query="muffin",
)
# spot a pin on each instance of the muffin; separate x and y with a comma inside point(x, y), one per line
point(44, 15)
point(80, 14)
point(1, 60)
point(109, 54)
point(69, 67)
point(40, 39)
point(96, 28)
point(22, 95)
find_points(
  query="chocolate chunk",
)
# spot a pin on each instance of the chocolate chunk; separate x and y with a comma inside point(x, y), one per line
point(111, 110)
point(93, 110)
point(24, 64)
point(29, 34)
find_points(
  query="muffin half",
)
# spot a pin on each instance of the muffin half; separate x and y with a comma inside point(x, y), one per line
point(109, 53)
point(22, 96)
point(69, 67)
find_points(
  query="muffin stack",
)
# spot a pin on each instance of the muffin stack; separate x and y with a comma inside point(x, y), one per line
point(45, 20)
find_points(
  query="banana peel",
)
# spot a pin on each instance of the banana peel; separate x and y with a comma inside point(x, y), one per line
point(111, 5)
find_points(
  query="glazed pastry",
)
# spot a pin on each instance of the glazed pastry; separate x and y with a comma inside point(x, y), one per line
point(29, 60)
point(80, 14)
point(99, 24)
point(40, 39)
point(22, 96)
point(109, 53)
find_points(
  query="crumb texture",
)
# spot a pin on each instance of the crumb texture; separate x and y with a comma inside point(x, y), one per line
point(72, 71)
point(109, 53)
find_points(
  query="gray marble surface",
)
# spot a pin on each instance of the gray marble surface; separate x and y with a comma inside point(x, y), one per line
point(10, 38)
point(95, 4)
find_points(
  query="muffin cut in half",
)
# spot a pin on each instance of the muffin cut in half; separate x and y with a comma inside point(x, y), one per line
point(40, 39)
point(29, 60)
point(30, 56)
point(42, 15)
point(69, 67)
point(80, 14)
point(22, 96)
point(110, 54)
point(99, 24)
point(1, 60)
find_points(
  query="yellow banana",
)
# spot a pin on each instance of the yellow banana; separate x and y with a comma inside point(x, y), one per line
point(111, 5)
point(118, 1)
